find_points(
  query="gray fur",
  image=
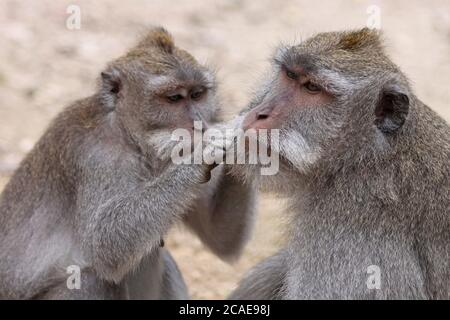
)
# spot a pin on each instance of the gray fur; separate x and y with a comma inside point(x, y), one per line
point(93, 192)
point(378, 192)
point(265, 281)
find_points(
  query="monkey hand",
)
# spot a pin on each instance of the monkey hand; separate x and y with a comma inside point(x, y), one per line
point(206, 175)
point(212, 156)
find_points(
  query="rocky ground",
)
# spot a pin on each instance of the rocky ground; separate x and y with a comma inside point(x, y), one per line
point(44, 65)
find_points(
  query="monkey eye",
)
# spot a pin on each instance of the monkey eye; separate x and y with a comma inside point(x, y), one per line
point(174, 98)
point(311, 87)
point(197, 93)
point(291, 74)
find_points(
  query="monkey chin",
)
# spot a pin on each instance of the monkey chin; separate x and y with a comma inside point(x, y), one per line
point(275, 184)
point(296, 160)
point(246, 173)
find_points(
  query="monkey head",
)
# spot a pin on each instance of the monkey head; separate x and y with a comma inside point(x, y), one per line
point(156, 88)
point(334, 98)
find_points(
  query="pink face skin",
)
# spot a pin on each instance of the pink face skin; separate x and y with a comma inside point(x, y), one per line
point(293, 90)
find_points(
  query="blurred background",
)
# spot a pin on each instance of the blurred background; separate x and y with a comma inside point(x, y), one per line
point(47, 61)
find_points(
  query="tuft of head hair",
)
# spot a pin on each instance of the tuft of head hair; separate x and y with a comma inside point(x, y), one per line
point(360, 39)
point(158, 38)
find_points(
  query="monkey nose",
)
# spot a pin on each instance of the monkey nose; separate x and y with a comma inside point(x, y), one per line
point(256, 119)
point(262, 116)
point(261, 122)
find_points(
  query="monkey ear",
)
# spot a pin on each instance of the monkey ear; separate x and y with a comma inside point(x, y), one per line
point(110, 87)
point(392, 109)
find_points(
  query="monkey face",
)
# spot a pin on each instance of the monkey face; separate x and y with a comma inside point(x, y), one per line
point(334, 96)
point(179, 98)
point(158, 88)
point(291, 92)
point(296, 104)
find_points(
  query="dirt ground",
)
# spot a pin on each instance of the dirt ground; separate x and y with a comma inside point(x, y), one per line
point(44, 65)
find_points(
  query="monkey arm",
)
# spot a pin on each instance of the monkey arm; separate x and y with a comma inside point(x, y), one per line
point(264, 281)
point(123, 226)
point(223, 217)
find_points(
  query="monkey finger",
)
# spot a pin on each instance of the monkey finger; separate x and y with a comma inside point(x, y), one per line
point(206, 178)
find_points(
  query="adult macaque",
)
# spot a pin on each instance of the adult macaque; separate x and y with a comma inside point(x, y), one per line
point(93, 193)
point(366, 166)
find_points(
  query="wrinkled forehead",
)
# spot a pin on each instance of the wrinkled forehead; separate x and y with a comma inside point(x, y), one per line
point(335, 51)
point(338, 71)
point(180, 77)
point(170, 74)
point(310, 60)
point(318, 66)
